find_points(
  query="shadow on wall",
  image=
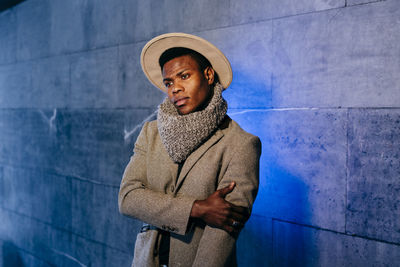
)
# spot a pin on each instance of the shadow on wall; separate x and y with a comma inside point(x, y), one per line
point(5, 4)
point(283, 197)
point(11, 256)
point(266, 241)
point(247, 90)
point(289, 202)
point(287, 195)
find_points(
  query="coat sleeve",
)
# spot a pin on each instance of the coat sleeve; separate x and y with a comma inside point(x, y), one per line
point(136, 199)
point(216, 246)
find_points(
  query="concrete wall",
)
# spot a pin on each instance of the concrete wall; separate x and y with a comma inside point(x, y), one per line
point(317, 80)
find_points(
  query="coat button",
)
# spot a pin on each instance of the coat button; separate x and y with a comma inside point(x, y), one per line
point(172, 188)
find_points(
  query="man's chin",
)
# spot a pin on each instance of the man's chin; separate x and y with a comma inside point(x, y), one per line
point(183, 110)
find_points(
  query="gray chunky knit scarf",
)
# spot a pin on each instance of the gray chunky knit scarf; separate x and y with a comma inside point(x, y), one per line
point(182, 134)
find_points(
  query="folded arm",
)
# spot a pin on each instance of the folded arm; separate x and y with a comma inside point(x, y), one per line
point(215, 211)
point(135, 199)
point(219, 237)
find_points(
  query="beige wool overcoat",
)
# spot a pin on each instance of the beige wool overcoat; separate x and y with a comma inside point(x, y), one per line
point(152, 191)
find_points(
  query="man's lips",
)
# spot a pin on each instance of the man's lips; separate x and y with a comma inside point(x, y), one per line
point(181, 101)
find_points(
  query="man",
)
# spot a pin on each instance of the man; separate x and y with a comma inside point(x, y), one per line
point(193, 177)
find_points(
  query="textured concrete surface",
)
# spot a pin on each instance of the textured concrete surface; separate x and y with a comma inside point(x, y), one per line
point(135, 90)
point(317, 81)
point(143, 20)
point(250, 56)
point(295, 245)
point(33, 29)
point(8, 28)
point(40, 243)
point(68, 31)
point(256, 235)
point(91, 217)
point(374, 171)
point(303, 162)
point(15, 83)
point(359, 2)
point(338, 58)
point(84, 144)
point(50, 86)
point(66, 27)
point(94, 79)
point(36, 84)
point(256, 10)
point(38, 194)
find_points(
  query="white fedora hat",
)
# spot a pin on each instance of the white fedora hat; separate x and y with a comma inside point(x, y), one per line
point(152, 51)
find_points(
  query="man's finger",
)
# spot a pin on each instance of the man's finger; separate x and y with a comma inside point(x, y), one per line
point(239, 209)
point(239, 217)
point(229, 229)
point(226, 190)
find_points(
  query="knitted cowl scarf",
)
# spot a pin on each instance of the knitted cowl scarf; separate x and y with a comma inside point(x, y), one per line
point(182, 134)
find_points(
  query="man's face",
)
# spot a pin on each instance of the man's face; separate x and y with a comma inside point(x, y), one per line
point(188, 87)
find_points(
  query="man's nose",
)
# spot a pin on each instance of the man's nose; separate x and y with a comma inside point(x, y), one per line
point(177, 88)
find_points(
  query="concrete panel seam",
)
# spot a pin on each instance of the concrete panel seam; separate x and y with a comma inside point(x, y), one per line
point(367, 3)
point(33, 59)
point(272, 73)
point(140, 41)
point(64, 230)
point(69, 80)
point(52, 172)
point(235, 111)
point(30, 253)
point(334, 16)
point(203, 30)
point(347, 168)
point(335, 232)
point(272, 19)
point(373, 108)
point(1, 184)
point(82, 179)
point(260, 216)
point(272, 238)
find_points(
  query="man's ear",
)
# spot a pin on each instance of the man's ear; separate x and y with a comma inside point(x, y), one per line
point(209, 75)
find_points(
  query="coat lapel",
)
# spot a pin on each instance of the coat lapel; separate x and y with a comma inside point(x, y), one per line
point(174, 171)
point(165, 158)
point(197, 154)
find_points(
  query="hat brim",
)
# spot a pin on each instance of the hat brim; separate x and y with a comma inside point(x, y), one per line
point(152, 51)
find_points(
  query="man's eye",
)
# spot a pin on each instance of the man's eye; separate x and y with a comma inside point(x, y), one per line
point(185, 76)
point(168, 84)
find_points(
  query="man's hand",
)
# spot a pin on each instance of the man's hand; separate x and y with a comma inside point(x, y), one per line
point(217, 212)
